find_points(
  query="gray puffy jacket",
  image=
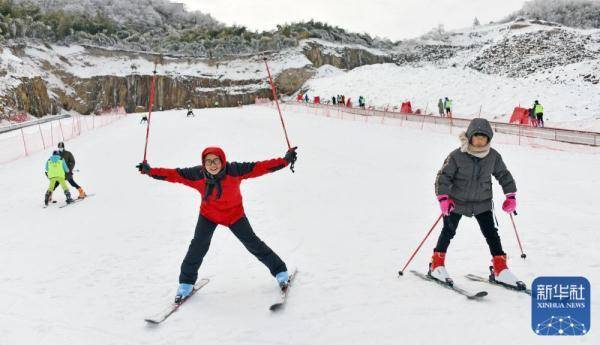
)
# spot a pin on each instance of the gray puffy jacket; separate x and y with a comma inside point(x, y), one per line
point(468, 179)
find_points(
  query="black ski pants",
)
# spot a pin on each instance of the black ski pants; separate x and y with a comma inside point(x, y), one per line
point(486, 224)
point(243, 231)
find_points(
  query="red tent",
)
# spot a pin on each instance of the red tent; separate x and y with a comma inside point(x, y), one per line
point(406, 108)
point(520, 116)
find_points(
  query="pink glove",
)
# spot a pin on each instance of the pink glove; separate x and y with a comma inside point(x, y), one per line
point(446, 204)
point(510, 204)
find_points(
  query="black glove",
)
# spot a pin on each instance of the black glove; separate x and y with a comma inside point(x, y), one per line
point(291, 156)
point(143, 167)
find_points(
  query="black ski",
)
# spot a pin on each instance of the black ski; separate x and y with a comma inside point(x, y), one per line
point(76, 200)
point(164, 314)
point(284, 293)
point(467, 294)
point(477, 278)
point(49, 204)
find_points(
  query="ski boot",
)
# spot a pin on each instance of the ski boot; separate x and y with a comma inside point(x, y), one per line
point(283, 279)
point(47, 197)
point(81, 193)
point(437, 270)
point(183, 291)
point(500, 274)
point(68, 195)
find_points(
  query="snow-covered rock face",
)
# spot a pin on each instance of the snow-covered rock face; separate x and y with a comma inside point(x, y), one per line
point(41, 79)
point(487, 70)
point(519, 55)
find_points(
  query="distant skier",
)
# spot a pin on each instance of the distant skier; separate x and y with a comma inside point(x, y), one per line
point(190, 112)
point(464, 188)
point(306, 98)
point(333, 100)
point(441, 107)
point(68, 157)
point(532, 119)
point(448, 106)
point(538, 111)
point(219, 181)
point(144, 119)
point(56, 169)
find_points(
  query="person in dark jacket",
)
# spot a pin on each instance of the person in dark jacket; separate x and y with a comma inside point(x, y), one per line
point(56, 171)
point(464, 188)
point(218, 182)
point(190, 111)
point(441, 107)
point(69, 159)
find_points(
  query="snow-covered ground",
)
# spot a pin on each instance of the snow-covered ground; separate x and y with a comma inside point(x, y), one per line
point(562, 60)
point(360, 201)
point(565, 105)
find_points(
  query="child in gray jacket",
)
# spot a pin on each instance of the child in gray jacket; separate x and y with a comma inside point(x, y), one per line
point(464, 188)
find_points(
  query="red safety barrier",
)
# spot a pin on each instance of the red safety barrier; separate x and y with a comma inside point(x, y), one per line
point(520, 116)
point(406, 108)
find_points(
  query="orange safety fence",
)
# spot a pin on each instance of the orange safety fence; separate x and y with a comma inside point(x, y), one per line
point(25, 141)
point(546, 137)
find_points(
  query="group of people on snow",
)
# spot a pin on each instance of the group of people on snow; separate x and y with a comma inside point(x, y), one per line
point(59, 169)
point(445, 107)
point(536, 114)
point(463, 187)
point(341, 100)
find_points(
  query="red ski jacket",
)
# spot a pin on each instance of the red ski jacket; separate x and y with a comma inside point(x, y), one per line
point(221, 196)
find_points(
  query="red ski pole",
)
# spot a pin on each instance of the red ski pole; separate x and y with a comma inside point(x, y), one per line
point(401, 272)
point(278, 109)
point(150, 103)
point(277, 103)
point(523, 255)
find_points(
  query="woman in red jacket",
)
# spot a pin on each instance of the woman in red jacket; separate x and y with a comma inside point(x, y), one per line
point(219, 181)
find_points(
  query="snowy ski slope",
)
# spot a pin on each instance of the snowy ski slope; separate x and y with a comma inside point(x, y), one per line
point(360, 201)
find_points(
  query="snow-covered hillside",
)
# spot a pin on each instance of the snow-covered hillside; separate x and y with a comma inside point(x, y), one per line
point(360, 201)
point(566, 106)
point(493, 67)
